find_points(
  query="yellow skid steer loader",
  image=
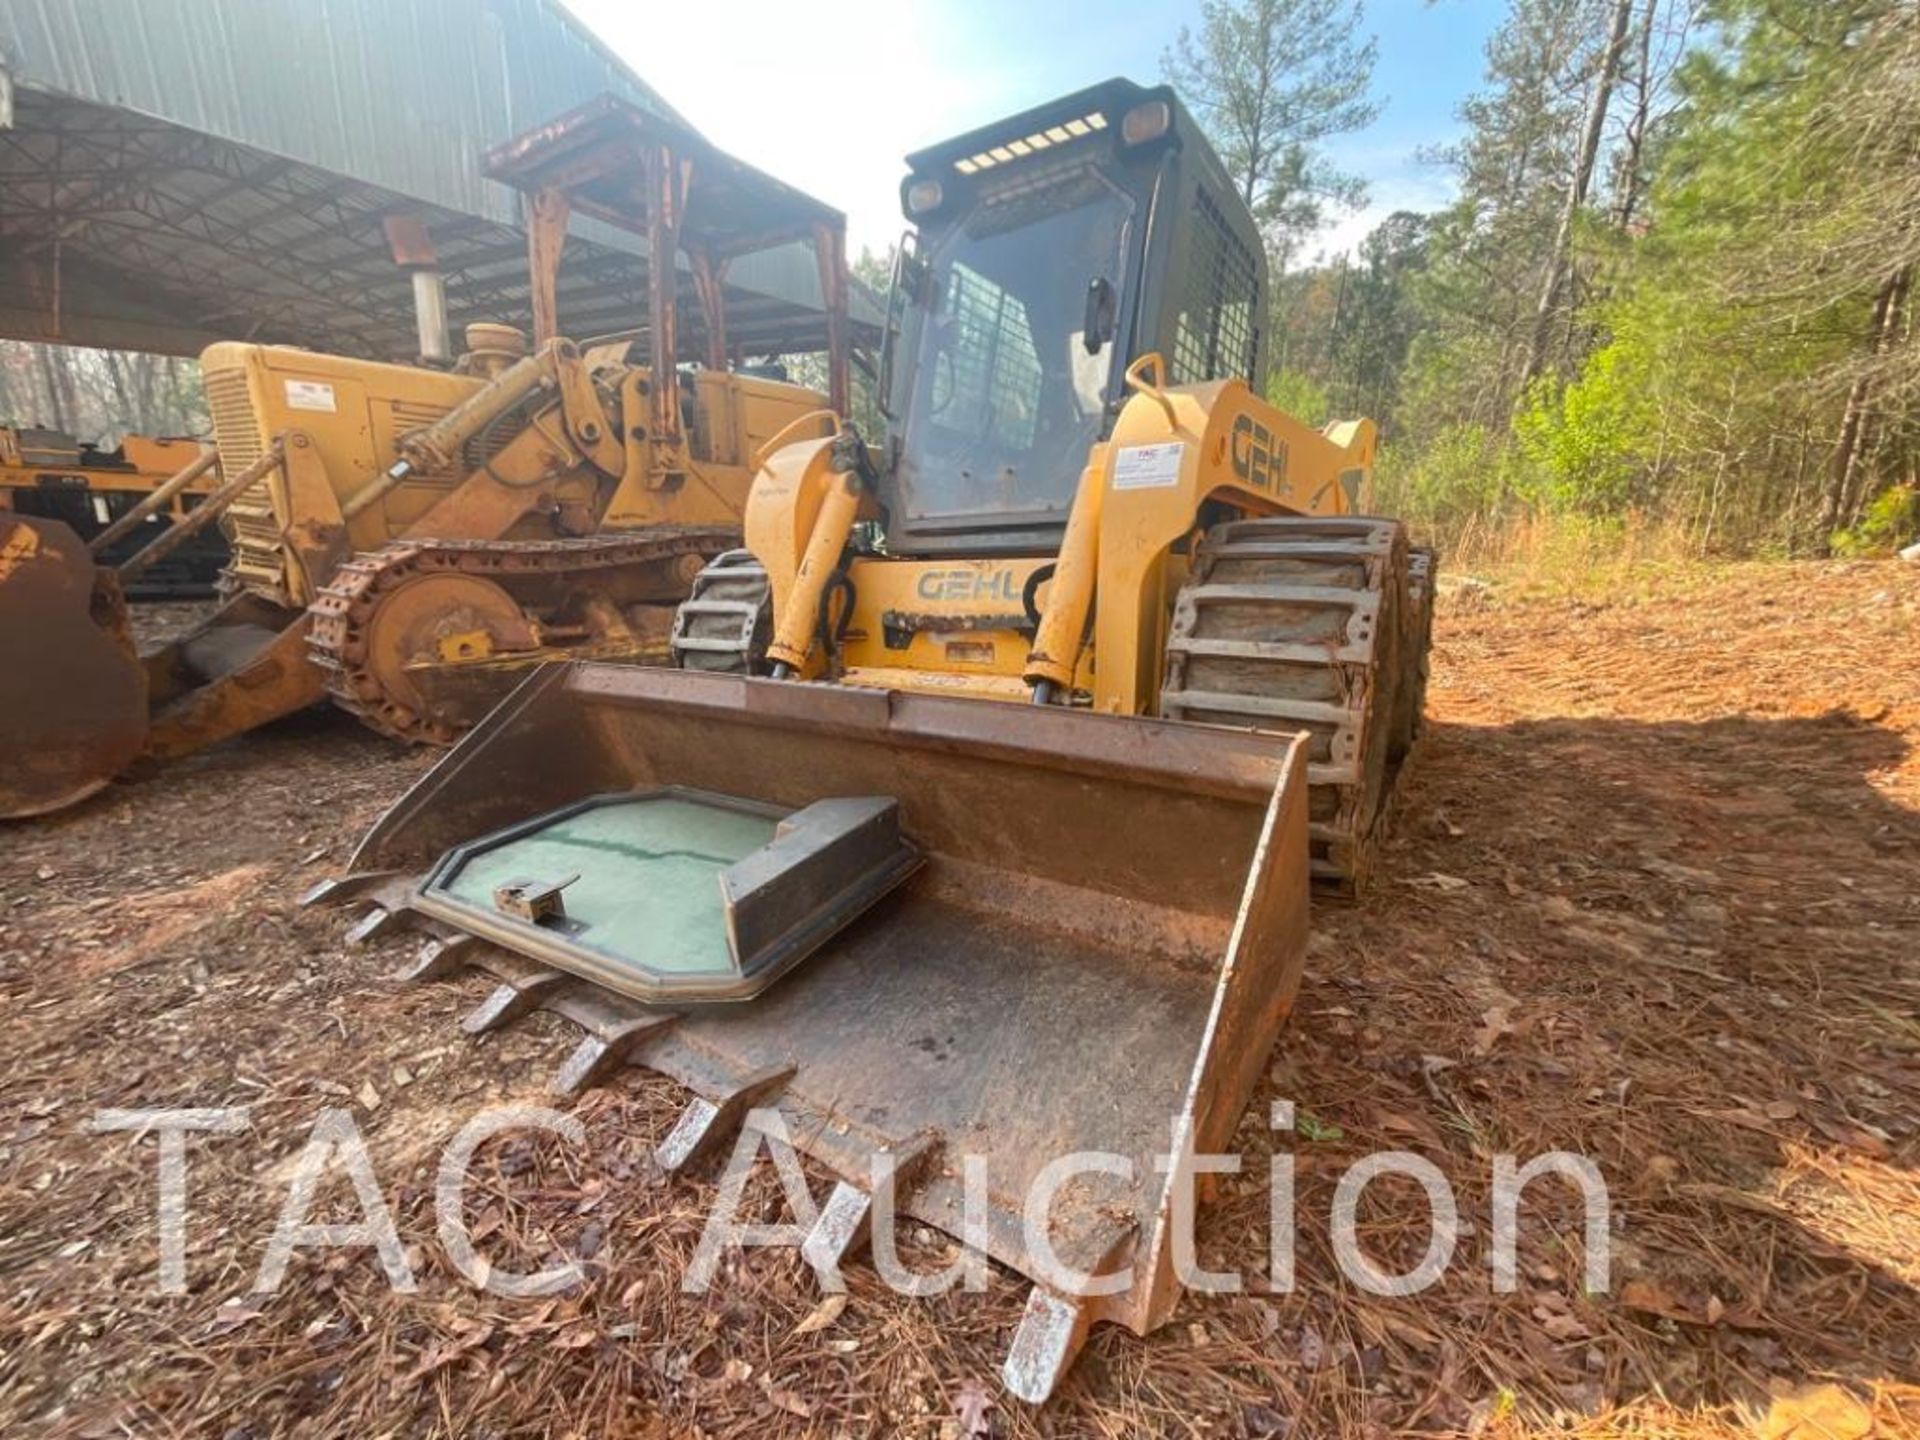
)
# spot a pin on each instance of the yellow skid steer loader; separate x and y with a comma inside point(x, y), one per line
point(825, 867)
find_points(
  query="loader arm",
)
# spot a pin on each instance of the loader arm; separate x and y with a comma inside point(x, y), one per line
point(1173, 452)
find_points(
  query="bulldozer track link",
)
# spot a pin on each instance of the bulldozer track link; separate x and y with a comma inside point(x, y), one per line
point(1320, 625)
point(343, 611)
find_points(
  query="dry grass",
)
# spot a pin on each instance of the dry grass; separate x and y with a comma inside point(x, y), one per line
point(1651, 897)
point(1536, 555)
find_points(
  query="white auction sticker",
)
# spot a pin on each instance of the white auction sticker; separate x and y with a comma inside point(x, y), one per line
point(310, 395)
point(1148, 467)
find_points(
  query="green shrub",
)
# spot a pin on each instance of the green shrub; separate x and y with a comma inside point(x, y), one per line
point(1891, 522)
point(1584, 441)
point(1300, 395)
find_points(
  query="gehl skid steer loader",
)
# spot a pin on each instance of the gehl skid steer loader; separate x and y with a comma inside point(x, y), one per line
point(406, 540)
point(822, 871)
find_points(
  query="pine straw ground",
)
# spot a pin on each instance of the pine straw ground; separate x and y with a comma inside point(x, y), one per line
point(1653, 896)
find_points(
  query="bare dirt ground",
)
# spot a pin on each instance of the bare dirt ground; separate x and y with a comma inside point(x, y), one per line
point(1653, 896)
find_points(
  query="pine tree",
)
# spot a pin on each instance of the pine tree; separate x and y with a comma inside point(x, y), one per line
point(1272, 80)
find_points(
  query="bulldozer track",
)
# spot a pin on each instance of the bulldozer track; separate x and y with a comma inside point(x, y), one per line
point(343, 612)
point(1316, 625)
point(725, 622)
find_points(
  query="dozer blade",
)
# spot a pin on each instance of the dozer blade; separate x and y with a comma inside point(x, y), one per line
point(73, 696)
point(1100, 942)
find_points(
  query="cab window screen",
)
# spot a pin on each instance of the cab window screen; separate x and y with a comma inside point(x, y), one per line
point(994, 366)
point(1218, 327)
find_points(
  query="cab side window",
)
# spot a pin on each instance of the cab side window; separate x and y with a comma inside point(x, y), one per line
point(1218, 330)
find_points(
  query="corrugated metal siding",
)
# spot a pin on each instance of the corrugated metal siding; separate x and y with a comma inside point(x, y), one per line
point(406, 94)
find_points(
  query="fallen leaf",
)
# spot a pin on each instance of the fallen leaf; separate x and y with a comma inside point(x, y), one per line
point(791, 1403)
point(231, 1315)
point(824, 1314)
point(1562, 1327)
point(1434, 880)
point(736, 1370)
point(369, 1096)
point(446, 1353)
point(1418, 1336)
point(1856, 1135)
point(1817, 1412)
point(1650, 1297)
point(1312, 1127)
point(574, 1337)
point(1495, 1021)
point(1782, 1110)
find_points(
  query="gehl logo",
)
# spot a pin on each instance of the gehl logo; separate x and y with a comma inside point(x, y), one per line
point(1258, 458)
point(996, 584)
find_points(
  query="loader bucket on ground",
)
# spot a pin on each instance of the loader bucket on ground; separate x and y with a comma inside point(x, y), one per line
point(73, 697)
point(1096, 955)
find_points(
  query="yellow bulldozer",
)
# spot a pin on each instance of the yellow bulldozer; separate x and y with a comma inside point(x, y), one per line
point(406, 540)
point(974, 829)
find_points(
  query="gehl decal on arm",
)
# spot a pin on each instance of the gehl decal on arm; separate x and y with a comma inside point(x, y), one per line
point(1258, 457)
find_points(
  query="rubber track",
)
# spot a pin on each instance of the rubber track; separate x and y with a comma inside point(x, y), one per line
point(344, 609)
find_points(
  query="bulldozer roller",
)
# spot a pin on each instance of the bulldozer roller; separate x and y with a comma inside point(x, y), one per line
point(422, 638)
point(1067, 934)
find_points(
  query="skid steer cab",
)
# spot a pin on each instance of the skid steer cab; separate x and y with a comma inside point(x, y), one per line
point(1080, 498)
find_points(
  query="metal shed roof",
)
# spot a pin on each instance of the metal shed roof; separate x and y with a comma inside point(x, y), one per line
point(179, 171)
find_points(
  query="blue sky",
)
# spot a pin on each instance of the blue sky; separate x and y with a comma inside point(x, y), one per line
point(830, 97)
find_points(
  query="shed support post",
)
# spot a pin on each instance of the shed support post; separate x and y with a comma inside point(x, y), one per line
point(547, 212)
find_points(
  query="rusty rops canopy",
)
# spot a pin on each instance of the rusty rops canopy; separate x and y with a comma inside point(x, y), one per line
point(734, 208)
point(657, 179)
point(175, 172)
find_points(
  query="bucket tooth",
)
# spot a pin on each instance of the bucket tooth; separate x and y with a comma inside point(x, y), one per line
point(706, 1123)
point(598, 1055)
point(378, 922)
point(344, 889)
point(1050, 1337)
point(509, 1002)
point(845, 1226)
point(442, 959)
